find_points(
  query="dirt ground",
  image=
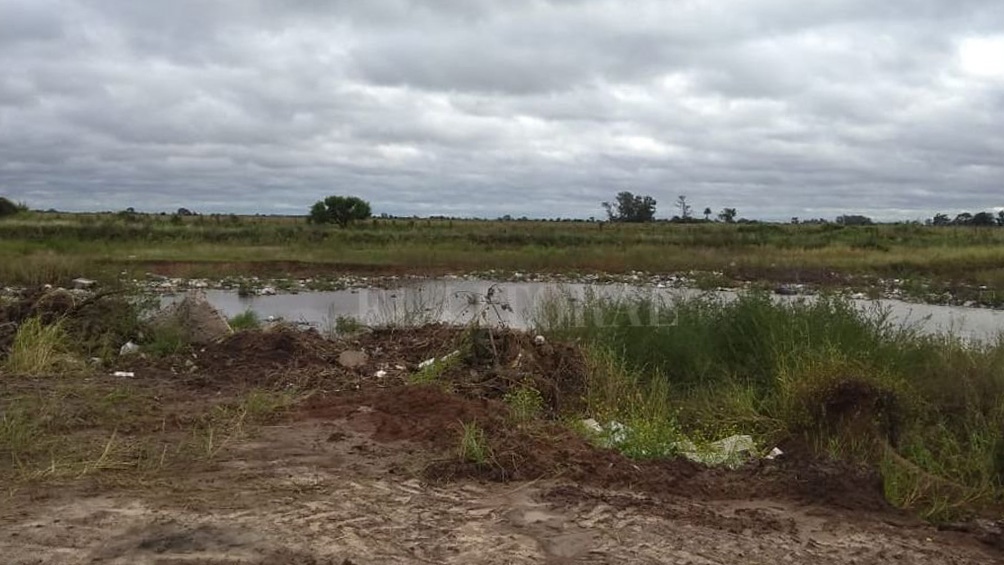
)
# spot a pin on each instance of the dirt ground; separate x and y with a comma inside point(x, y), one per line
point(366, 471)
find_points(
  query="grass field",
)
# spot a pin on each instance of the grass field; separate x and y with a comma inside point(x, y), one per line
point(37, 247)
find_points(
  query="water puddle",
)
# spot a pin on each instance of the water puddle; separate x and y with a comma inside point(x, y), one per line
point(515, 303)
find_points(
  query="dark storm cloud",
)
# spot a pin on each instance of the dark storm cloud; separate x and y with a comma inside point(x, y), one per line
point(526, 107)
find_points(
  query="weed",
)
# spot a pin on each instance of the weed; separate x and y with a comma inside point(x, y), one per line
point(165, 339)
point(474, 446)
point(525, 403)
point(247, 320)
point(348, 325)
point(640, 419)
point(38, 348)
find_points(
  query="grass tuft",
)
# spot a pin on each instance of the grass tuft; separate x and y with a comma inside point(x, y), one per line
point(474, 446)
point(525, 403)
point(247, 320)
point(38, 348)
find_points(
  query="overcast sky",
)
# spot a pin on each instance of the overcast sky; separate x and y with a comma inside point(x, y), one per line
point(541, 108)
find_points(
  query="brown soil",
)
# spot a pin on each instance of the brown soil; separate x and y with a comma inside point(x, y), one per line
point(366, 470)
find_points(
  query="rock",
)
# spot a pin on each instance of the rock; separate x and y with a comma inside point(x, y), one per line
point(539, 340)
point(353, 359)
point(267, 291)
point(129, 348)
point(199, 321)
point(84, 284)
point(786, 290)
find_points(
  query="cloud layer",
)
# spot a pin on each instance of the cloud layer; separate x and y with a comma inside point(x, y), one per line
point(527, 107)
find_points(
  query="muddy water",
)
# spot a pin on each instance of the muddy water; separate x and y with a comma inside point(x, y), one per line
point(515, 304)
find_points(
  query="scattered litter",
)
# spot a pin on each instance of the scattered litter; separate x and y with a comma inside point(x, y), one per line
point(83, 284)
point(774, 454)
point(128, 374)
point(428, 362)
point(730, 452)
point(592, 425)
point(380, 374)
point(129, 348)
point(539, 340)
point(267, 291)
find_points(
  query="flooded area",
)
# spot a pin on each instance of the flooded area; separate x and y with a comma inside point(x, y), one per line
point(516, 305)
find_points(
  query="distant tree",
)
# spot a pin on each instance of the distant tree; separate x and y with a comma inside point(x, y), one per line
point(1000, 218)
point(983, 219)
point(707, 214)
point(727, 215)
point(184, 212)
point(8, 208)
point(940, 220)
point(794, 220)
point(341, 210)
point(630, 208)
point(854, 220)
point(681, 204)
point(963, 219)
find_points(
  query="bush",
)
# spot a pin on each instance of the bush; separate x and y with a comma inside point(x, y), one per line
point(8, 208)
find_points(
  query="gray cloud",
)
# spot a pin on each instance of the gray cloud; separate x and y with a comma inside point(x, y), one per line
point(528, 107)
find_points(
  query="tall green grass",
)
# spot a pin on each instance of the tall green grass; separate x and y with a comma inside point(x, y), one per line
point(928, 410)
point(38, 349)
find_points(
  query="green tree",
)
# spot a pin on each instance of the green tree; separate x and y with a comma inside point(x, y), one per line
point(727, 215)
point(630, 208)
point(341, 210)
point(8, 208)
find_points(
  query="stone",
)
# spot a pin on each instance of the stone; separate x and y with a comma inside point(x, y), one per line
point(200, 323)
point(353, 359)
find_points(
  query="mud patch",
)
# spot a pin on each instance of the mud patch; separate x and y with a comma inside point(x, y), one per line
point(421, 414)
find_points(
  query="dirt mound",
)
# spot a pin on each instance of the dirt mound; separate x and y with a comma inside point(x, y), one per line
point(256, 356)
point(95, 323)
point(489, 363)
point(432, 417)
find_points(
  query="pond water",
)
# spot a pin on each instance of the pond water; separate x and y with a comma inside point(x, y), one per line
point(514, 304)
